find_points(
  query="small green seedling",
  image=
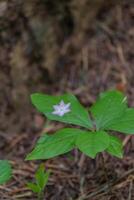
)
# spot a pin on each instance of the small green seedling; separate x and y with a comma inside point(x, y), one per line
point(41, 177)
point(5, 171)
point(109, 113)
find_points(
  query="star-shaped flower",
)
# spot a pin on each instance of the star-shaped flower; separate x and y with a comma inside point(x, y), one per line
point(61, 108)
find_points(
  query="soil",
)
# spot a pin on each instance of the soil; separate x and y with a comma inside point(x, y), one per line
point(105, 61)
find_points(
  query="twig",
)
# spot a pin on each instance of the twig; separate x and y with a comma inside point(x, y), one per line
point(127, 138)
point(106, 187)
point(26, 194)
point(81, 161)
point(130, 191)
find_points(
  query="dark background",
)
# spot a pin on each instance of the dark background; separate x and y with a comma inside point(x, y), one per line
point(78, 46)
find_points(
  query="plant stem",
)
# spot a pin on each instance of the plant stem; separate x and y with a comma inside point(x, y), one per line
point(106, 173)
point(41, 196)
point(104, 167)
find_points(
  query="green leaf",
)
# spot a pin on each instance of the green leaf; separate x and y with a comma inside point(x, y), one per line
point(5, 171)
point(42, 176)
point(49, 146)
point(35, 188)
point(77, 116)
point(115, 148)
point(125, 123)
point(109, 107)
point(92, 143)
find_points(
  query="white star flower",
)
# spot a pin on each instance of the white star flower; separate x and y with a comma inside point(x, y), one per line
point(61, 108)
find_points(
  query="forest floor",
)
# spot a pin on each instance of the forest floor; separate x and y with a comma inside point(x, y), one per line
point(106, 62)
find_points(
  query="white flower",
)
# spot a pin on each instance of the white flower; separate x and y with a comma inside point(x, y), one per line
point(61, 108)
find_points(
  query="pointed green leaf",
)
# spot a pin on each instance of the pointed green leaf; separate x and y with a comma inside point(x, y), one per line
point(92, 143)
point(35, 188)
point(42, 176)
point(5, 171)
point(109, 107)
point(125, 123)
point(78, 115)
point(45, 178)
point(115, 148)
point(39, 175)
point(59, 143)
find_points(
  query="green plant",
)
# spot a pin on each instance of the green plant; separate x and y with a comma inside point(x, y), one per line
point(109, 113)
point(41, 177)
point(5, 171)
